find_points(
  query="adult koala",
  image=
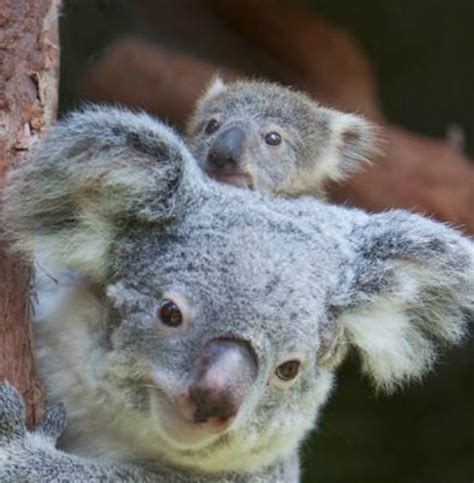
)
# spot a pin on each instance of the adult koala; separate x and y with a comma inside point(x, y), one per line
point(202, 337)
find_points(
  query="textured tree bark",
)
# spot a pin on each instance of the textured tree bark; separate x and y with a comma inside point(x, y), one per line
point(29, 60)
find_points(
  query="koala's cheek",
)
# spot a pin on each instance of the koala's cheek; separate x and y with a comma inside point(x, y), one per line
point(268, 186)
point(269, 174)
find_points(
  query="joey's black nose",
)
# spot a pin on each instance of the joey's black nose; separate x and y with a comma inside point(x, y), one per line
point(227, 149)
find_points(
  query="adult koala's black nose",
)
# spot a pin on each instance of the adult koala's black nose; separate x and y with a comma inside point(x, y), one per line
point(227, 149)
point(220, 383)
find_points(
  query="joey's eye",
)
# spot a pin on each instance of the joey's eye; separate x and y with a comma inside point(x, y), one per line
point(212, 126)
point(273, 138)
point(288, 370)
point(169, 314)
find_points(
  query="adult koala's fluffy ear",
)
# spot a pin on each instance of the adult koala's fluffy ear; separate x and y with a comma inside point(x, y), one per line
point(98, 170)
point(410, 292)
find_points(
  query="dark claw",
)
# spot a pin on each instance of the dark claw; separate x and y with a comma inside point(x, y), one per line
point(12, 413)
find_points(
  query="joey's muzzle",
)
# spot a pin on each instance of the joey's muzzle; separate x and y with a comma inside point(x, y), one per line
point(226, 151)
point(219, 383)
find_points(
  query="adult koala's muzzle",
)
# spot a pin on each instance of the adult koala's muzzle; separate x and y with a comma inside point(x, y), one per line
point(219, 383)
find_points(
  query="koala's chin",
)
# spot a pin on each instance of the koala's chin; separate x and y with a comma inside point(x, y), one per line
point(180, 432)
point(239, 178)
point(253, 180)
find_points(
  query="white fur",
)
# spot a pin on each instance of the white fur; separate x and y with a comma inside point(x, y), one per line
point(391, 346)
point(214, 88)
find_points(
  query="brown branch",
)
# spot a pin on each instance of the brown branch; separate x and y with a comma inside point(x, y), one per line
point(137, 73)
point(29, 60)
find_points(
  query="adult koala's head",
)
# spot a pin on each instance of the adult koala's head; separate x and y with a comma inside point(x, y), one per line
point(211, 320)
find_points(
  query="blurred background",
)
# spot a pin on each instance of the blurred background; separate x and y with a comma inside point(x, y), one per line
point(406, 65)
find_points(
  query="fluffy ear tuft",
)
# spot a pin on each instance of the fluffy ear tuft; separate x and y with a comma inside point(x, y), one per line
point(97, 171)
point(411, 292)
point(213, 89)
point(353, 142)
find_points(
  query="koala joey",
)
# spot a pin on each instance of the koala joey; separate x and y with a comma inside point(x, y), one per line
point(201, 337)
point(276, 140)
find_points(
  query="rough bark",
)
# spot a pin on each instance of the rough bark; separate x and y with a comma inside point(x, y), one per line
point(29, 59)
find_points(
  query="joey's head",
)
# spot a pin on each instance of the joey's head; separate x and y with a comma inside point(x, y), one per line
point(276, 140)
point(221, 315)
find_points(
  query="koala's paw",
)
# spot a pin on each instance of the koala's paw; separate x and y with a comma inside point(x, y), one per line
point(53, 423)
point(28, 456)
point(12, 414)
point(12, 417)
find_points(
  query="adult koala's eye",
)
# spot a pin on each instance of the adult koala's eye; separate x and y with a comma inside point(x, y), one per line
point(273, 138)
point(288, 370)
point(170, 314)
point(212, 126)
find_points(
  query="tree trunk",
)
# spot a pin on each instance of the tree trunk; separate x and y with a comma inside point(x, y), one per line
point(29, 60)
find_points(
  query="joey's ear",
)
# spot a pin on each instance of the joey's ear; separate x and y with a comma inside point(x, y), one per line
point(352, 142)
point(409, 292)
point(97, 172)
point(214, 88)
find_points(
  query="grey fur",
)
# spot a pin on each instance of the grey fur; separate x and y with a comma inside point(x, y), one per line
point(117, 197)
point(318, 144)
